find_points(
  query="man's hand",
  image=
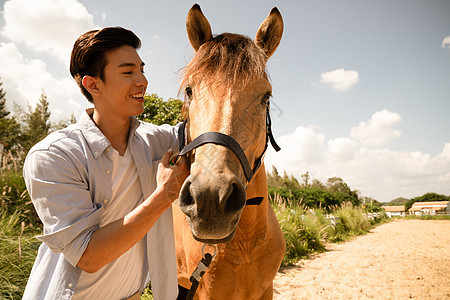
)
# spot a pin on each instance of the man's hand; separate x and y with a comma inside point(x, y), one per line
point(170, 177)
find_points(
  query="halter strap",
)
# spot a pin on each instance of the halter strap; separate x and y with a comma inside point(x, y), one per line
point(223, 140)
point(219, 138)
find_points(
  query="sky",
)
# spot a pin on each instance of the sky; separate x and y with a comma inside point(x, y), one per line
point(361, 89)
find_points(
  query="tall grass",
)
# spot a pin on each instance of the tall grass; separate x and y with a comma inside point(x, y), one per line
point(304, 230)
point(18, 226)
point(18, 249)
point(307, 230)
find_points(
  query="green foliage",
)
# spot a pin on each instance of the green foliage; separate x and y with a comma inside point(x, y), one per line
point(428, 217)
point(63, 123)
point(3, 112)
point(353, 220)
point(36, 123)
point(307, 230)
point(10, 132)
point(23, 129)
point(147, 294)
point(314, 194)
point(302, 230)
point(15, 198)
point(371, 204)
point(158, 111)
point(9, 127)
point(428, 197)
point(18, 251)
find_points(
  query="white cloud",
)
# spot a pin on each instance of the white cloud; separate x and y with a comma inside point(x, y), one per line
point(340, 79)
point(446, 42)
point(379, 130)
point(49, 26)
point(305, 146)
point(383, 174)
point(342, 149)
point(24, 80)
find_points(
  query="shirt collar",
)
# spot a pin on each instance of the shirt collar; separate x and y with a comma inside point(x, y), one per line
point(96, 139)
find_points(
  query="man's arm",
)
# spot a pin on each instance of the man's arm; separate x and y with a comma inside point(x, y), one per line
point(113, 240)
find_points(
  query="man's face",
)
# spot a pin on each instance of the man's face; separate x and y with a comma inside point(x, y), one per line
point(124, 83)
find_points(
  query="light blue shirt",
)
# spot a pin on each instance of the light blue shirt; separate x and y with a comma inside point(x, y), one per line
point(68, 176)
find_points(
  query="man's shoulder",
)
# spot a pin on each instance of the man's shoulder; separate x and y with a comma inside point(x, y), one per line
point(66, 138)
point(164, 130)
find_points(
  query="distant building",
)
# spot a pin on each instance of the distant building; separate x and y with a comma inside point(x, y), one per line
point(392, 211)
point(430, 208)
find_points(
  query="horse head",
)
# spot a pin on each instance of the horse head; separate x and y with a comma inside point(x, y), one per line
point(227, 91)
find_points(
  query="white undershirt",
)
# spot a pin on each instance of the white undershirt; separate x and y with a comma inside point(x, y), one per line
point(122, 277)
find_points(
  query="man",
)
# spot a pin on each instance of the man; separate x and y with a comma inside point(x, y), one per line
point(104, 187)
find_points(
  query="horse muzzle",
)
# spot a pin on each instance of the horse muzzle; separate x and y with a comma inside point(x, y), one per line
point(213, 206)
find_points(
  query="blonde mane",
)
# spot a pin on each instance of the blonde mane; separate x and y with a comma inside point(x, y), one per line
point(225, 61)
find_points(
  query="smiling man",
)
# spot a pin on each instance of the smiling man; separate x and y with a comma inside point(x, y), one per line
point(103, 188)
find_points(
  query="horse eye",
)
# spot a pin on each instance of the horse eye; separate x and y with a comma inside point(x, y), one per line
point(265, 99)
point(188, 92)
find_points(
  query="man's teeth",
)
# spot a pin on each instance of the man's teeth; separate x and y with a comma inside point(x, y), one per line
point(141, 95)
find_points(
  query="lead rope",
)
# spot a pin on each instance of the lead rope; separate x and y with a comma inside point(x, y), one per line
point(200, 270)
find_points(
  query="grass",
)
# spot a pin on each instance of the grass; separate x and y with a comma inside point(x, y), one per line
point(307, 231)
point(18, 226)
point(18, 249)
point(428, 217)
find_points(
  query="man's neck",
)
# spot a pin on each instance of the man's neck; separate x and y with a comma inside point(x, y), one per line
point(116, 129)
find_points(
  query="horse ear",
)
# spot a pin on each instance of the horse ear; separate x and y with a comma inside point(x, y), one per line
point(198, 28)
point(270, 32)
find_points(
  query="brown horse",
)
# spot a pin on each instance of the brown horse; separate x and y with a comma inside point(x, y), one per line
point(228, 91)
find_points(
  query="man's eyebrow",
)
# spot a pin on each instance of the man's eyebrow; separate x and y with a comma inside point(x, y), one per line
point(129, 65)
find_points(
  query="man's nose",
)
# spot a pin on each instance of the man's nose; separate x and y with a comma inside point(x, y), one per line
point(142, 81)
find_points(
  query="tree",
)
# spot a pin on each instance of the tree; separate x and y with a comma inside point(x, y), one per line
point(428, 197)
point(274, 179)
point(336, 184)
point(9, 128)
point(63, 123)
point(158, 111)
point(342, 191)
point(371, 204)
point(306, 179)
point(3, 112)
point(36, 123)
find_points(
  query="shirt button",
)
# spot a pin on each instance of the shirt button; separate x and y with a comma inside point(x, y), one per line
point(70, 285)
point(96, 153)
point(108, 149)
point(108, 172)
point(105, 201)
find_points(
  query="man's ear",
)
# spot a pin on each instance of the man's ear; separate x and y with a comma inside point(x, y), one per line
point(91, 84)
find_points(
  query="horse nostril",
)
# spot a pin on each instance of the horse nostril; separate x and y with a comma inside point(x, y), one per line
point(186, 199)
point(236, 198)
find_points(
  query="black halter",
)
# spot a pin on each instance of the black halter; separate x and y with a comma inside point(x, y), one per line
point(219, 138)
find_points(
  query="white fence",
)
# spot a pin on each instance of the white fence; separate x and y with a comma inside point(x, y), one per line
point(333, 220)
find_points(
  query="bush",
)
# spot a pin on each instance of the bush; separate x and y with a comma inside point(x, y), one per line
point(303, 229)
point(15, 198)
point(307, 231)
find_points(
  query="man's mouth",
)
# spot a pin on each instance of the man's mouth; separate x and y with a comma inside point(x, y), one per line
point(138, 96)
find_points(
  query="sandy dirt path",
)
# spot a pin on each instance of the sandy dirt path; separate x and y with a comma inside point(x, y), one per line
point(403, 259)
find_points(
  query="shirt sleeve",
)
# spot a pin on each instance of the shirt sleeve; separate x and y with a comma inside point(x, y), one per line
point(175, 139)
point(63, 202)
